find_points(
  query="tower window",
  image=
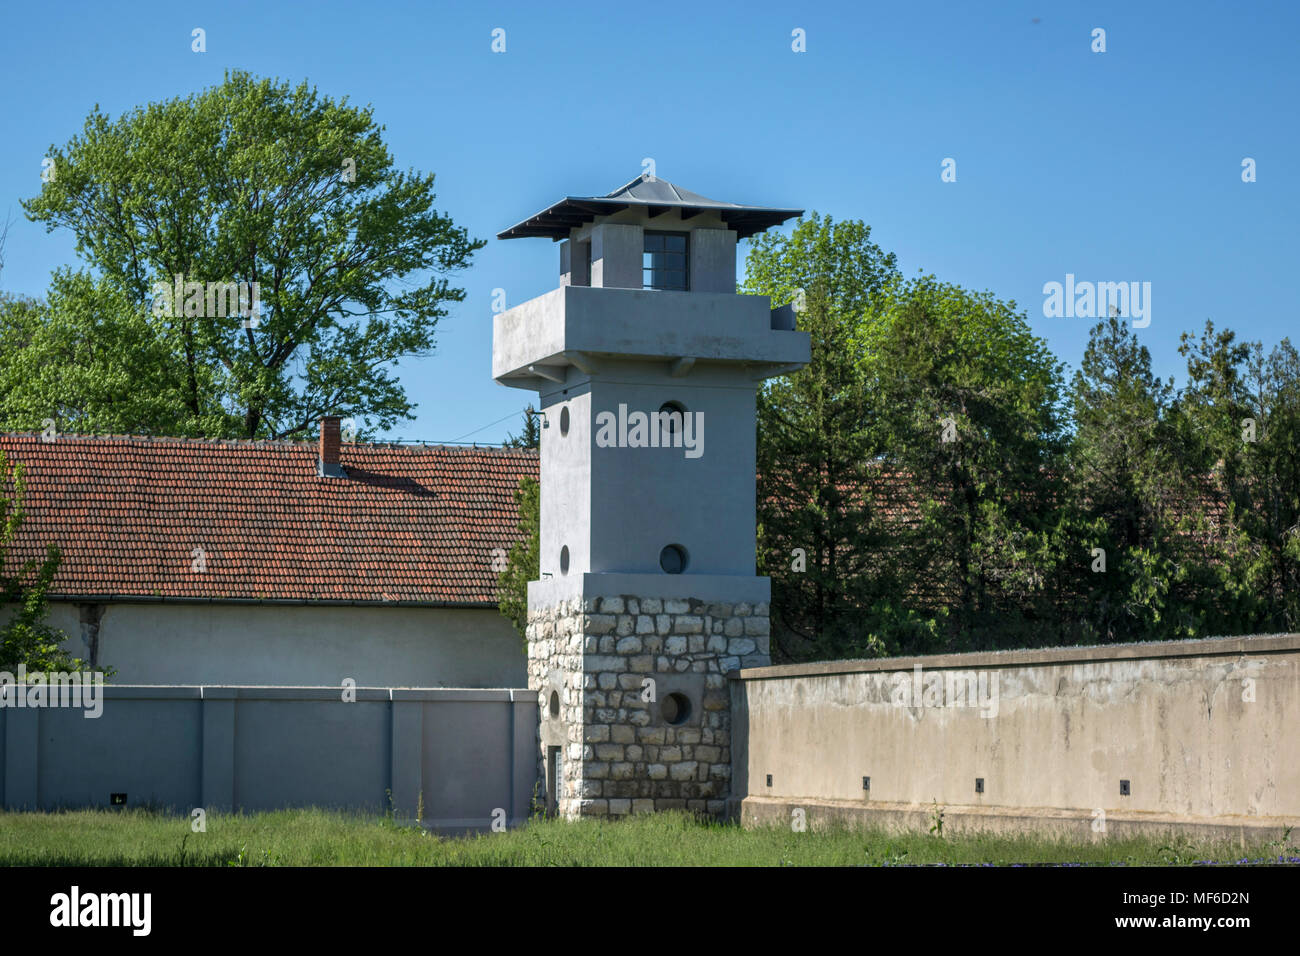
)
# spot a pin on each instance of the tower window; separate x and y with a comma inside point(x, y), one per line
point(673, 559)
point(670, 421)
point(675, 709)
point(663, 263)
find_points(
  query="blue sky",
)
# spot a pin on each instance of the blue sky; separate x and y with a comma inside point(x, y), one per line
point(1115, 166)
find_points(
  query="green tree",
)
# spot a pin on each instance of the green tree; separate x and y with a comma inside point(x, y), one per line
point(879, 533)
point(90, 360)
point(1120, 495)
point(1239, 425)
point(1120, 411)
point(25, 638)
point(523, 563)
point(256, 181)
point(968, 403)
point(530, 436)
point(821, 498)
point(1195, 497)
point(1214, 402)
point(1273, 488)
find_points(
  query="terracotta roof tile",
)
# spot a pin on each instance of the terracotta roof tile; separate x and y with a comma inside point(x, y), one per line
point(408, 523)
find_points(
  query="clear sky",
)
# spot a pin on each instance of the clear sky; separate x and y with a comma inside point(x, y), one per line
point(1115, 166)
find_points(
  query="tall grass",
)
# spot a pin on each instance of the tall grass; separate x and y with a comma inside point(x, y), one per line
point(327, 838)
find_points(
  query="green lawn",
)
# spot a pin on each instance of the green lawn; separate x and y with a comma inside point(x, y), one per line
point(322, 838)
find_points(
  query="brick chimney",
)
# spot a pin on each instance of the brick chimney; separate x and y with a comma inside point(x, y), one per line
point(330, 438)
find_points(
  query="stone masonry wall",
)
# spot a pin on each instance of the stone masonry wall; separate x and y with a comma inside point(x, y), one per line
point(623, 753)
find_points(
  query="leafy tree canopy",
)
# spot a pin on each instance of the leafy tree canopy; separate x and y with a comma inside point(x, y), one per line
point(251, 181)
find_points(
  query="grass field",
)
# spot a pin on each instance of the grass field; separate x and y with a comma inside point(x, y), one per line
point(322, 838)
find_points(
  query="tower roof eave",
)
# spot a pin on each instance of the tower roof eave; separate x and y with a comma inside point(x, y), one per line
point(555, 221)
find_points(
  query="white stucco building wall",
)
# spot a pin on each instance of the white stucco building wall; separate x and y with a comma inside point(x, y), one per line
point(301, 645)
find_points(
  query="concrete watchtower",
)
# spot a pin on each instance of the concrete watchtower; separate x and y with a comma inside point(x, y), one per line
point(647, 364)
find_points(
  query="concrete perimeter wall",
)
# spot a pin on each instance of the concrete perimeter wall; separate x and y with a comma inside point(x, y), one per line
point(1206, 732)
point(471, 752)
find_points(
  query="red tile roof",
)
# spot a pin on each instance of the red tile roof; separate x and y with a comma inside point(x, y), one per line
point(409, 523)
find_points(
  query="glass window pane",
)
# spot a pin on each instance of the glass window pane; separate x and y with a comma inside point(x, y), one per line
point(663, 262)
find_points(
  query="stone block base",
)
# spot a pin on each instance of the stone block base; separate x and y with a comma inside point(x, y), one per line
point(634, 703)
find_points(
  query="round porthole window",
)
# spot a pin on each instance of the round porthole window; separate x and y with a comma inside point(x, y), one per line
point(675, 708)
point(671, 425)
point(564, 560)
point(673, 559)
point(554, 704)
point(564, 420)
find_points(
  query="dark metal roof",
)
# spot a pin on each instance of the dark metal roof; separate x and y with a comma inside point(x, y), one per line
point(659, 196)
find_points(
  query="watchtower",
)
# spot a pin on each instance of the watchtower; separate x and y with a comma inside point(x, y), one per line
point(647, 364)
